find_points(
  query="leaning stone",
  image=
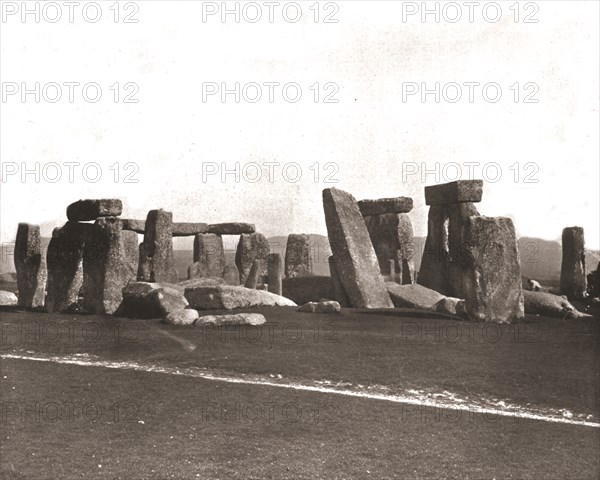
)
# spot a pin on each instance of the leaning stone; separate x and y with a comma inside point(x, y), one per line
point(274, 273)
point(151, 300)
point(338, 292)
point(231, 228)
point(321, 307)
point(8, 299)
point(385, 206)
point(234, 319)
point(251, 247)
point(185, 229)
point(229, 297)
point(86, 210)
point(454, 192)
point(231, 275)
point(30, 264)
point(209, 256)
point(413, 296)
point(182, 317)
point(298, 258)
point(138, 226)
point(356, 261)
point(157, 263)
point(253, 279)
point(573, 281)
point(491, 270)
point(64, 258)
point(105, 270)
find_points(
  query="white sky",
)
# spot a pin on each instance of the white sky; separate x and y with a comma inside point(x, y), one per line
point(369, 135)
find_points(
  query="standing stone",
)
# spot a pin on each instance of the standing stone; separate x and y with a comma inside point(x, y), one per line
point(65, 265)
point(458, 215)
point(434, 263)
point(209, 255)
point(298, 257)
point(129, 241)
point(231, 275)
point(157, 263)
point(30, 264)
point(392, 238)
point(253, 246)
point(336, 284)
point(105, 267)
point(492, 272)
point(356, 261)
point(274, 272)
point(85, 210)
point(573, 282)
point(253, 277)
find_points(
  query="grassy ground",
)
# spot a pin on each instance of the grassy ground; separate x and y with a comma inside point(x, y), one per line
point(214, 430)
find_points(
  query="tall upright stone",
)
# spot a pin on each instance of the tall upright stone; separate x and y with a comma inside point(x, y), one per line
point(491, 270)
point(209, 255)
point(275, 273)
point(157, 263)
point(573, 281)
point(65, 255)
point(458, 215)
point(433, 273)
point(298, 256)
point(253, 279)
point(251, 247)
point(105, 267)
point(355, 258)
point(30, 264)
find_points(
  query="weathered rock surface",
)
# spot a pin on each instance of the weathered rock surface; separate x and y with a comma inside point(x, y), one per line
point(492, 272)
point(329, 306)
point(209, 256)
point(235, 228)
point(338, 292)
point(308, 289)
point(384, 206)
point(230, 297)
point(573, 281)
point(253, 279)
point(413, 296)
point(433, 273)
point(151, 300)
point(458, 216)
point(187, 316)
point(137, 226)
point(8, 299)
point(129, 241)
point(187, 229)
point(451, 306)
point(202, 282)
point(86, 210)
point(30, 265)
point(64, 260)
point(251, 247)
point(233, 319)
point(105, 270)
point(156, 262)
point(231, 275)
point(454, 192)
point(298, 257)
point(275, 273)
point(356, 261)
point(548, 304)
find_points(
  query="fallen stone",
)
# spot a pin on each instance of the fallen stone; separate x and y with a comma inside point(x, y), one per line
point(209, 256)
point(573, 281)
point(414, 296)
point(451, 306)
point(251, 247)
point(298, 257)
point(548, 304)
point(230, 297)
point(275, 273)
point(234, 319)
point(356, 261)
point(321, 307)
point(151, 300)
point(157, 263)
point(307, 289)
point(8, 299)
point(202, 282)
point(231, 228)
point(454, 192)
point(187, 316)
point(86, 210)
point(385, 206)
point(231, 275)
point(105, 268)
point(64, 260)
point(30, 265)
point(492, 272)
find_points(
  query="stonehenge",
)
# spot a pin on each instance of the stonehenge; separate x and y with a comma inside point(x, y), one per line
point(252, 247)
point(274, 273)
point(30, 264)
point(157, 263)
point(573, 281)
point(298, 256)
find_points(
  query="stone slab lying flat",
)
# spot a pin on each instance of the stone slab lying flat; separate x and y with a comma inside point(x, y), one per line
point(543, 303)
point(151, 300)
point(233, 319)
point(231, 228)
point(230, 297)
point(454, 192)
point(329, 306)
point(87, 210)
point(385, 205)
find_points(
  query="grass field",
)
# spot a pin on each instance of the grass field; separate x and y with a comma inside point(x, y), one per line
point(169, 419)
